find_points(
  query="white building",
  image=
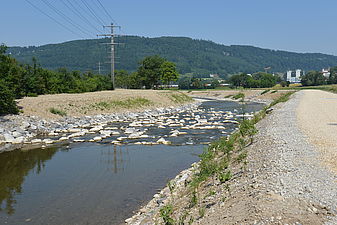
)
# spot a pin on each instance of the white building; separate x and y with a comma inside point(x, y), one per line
point(294, 76)
point(326, 73)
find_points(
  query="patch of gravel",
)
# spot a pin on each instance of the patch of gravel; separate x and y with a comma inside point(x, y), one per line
point(295, 170)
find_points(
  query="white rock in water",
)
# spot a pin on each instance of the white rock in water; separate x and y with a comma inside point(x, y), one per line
point(74, 130)
point(116, 143)
point(135, 135)
point(97, 128)
point(97, 138)
point(130, 130)
point(36, 141)
point(105, 132)
point(115, 133)
point(79, 140)
point(63, 138)
point(48, 141)
point(163, 141)
point(111, 128)
point(128, 220)
point(121, 138)
point(53, 134)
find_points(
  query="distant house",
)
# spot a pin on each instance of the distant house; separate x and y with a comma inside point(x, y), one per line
point(214, 75)
point(326, 72)
point(294, 76)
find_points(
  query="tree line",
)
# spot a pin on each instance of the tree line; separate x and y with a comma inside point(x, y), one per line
point(20, 80)
point(315, 78)
point(256, 80)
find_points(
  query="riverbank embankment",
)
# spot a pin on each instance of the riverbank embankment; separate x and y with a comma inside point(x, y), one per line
point(281, 181)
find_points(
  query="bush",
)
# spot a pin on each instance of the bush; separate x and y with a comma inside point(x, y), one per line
point(7, 100)
point(57, 112)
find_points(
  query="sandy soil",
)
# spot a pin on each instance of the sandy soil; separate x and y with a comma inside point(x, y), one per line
point(82, 104)
point(249, 94)
point(317, 116)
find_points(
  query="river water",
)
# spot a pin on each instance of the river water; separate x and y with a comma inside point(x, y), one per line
point(101, 183)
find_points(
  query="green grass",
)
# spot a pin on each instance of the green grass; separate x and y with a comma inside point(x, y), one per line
point(128, 103)
point(265, 91)
point(239, 95)
point(166, 213)
point(57, 112)
point(180, 98)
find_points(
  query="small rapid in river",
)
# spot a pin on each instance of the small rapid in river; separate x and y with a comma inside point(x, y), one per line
point(103, 176)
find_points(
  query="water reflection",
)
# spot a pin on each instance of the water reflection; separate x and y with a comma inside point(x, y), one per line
point(14, 167)
point(116, 158)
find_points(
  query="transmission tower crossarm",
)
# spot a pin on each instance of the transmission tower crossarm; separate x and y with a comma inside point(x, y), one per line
point(112, 46)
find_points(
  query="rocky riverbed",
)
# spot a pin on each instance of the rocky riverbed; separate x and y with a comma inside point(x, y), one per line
point(17, 131)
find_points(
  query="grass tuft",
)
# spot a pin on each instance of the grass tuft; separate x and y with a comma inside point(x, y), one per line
point(57, 112)
point(180, 98)
point(128, 103)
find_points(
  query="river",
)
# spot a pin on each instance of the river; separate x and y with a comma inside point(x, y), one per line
point(101, 183)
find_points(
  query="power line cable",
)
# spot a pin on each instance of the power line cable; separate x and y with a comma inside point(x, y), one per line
point(99, 20)
point(50, 17)
point(78, 13)
point(106, 12)
point(68, 19)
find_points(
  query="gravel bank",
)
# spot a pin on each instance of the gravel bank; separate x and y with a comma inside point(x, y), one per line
point(283, 183)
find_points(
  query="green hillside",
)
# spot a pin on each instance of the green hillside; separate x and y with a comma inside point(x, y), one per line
point(191, 56)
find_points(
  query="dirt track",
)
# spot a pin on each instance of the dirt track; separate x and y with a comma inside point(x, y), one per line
point(317, 117)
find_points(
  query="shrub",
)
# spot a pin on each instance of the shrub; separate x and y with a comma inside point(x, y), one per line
point(57, 112)
point(166, 213)
point(239, 95)
point(7, 100)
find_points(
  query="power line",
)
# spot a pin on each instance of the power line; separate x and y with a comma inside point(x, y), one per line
point(65, 17)
point(78, 13)
point(92, 12)
point(112, 45)
point(106, 12)
point(50, 17)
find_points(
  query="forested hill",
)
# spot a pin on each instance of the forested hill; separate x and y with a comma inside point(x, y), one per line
point(191, 56)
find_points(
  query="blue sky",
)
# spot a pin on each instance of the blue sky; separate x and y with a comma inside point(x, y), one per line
point(293, 25)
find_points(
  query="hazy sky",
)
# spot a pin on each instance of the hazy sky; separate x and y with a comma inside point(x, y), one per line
point(294, 25)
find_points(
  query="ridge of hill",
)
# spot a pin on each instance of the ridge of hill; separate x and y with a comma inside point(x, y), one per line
point(199, 57)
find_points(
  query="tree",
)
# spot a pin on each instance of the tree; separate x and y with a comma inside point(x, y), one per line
point(313, 78)
point(168, 72)
point(333, 75)
point(7, 102)
point(150, 71)
point(239, 80)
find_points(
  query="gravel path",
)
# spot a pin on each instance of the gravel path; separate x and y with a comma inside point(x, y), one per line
point(285, 181)
point(298, 170)
point(317, 118)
